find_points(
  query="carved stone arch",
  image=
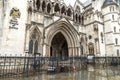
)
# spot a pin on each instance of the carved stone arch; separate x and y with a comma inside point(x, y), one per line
point(70, 35)
point(65, 33)
point(59, 45)
point(35, 27)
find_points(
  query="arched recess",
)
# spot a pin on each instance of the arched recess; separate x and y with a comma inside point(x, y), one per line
point(69, 12)
point(63, 10)
point(35, 41)
point(48, 8)
point(57, 8)
point(38, 4)
point(59, 46)
point(80, 19)
point(76, 17)
point(43, 6)
point(91, 48)
point(70, 34)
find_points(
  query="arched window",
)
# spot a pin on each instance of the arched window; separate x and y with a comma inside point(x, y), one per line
point(82, 20)
point(79, 19)
point(76, 17)
point(118, 52)
point(48, 8)
point(113, 8)
point(31, 46)
point(63, 10)
point(69, 12)
point(57, 8)
point(43, 6)
point(116, 41)
point(114, 29)
point(113, 17)
point(36, 47)
point(38, 4)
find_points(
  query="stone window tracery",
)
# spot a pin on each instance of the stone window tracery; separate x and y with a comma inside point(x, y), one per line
point(33, 43)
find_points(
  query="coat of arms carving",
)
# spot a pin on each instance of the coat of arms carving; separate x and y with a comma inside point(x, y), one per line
point(15, 14)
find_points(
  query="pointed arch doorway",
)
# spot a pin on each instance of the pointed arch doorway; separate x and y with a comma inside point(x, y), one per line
point(59, 46)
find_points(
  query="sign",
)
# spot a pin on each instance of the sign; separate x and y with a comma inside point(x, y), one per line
point(14, 22)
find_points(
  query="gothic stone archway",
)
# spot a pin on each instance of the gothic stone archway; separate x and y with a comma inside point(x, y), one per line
point(67, 32)
point(59, 46)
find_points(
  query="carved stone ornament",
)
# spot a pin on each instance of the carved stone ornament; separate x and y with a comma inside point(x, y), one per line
point(15, 14)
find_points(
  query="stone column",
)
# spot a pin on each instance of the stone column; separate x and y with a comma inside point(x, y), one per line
point(44, 50)
point(70, 51)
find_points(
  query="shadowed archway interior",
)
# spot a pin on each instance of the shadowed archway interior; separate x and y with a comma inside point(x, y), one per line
point(59, 46)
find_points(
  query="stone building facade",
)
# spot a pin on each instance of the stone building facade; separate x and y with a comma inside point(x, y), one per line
point(52, 28)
